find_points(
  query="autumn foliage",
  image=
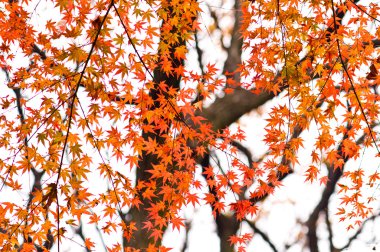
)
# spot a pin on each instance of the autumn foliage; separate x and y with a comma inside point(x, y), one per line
point(108, 122)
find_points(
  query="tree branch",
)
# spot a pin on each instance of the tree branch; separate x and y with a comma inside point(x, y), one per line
point(263, 235)
point(187, 229)
point(358, 232)
point(216, 22)
point(334, 175)
point(79, 231)
point(329, 230)
point(244, 150)
point(37, 184)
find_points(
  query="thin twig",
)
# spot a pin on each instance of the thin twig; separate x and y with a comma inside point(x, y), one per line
point(351, 83)
point(71, 116)
point(358, 232)
point(264, 236)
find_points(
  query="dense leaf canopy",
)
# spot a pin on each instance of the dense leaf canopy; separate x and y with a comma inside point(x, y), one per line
point(120, 115)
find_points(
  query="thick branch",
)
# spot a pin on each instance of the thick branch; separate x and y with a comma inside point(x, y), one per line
point(228, 109)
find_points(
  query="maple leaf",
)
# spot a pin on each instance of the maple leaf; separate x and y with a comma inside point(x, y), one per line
point(88, 243)
point(180, 52)
point(192, 198)
point(164, 249)
point(218, 208)
point(156, 234)
point(241, 249)
point(208, 172)
point(324, 180)
point(177, 223)
point(148, 225)
point(374, 177)
point(234, 239)
point(311, 173)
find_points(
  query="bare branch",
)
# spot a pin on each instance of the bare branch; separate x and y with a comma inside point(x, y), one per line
point(329, 230)
point(216, 22)
point(187, 229)
point(244, 150)
point(262, 234)
point(334, 175)
point(199, 52)
point(228, 109)
point(37, 174)
point(358, 232)
point(79, 231)
point(199, 96)
point(234, 51)
point(37, 50)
